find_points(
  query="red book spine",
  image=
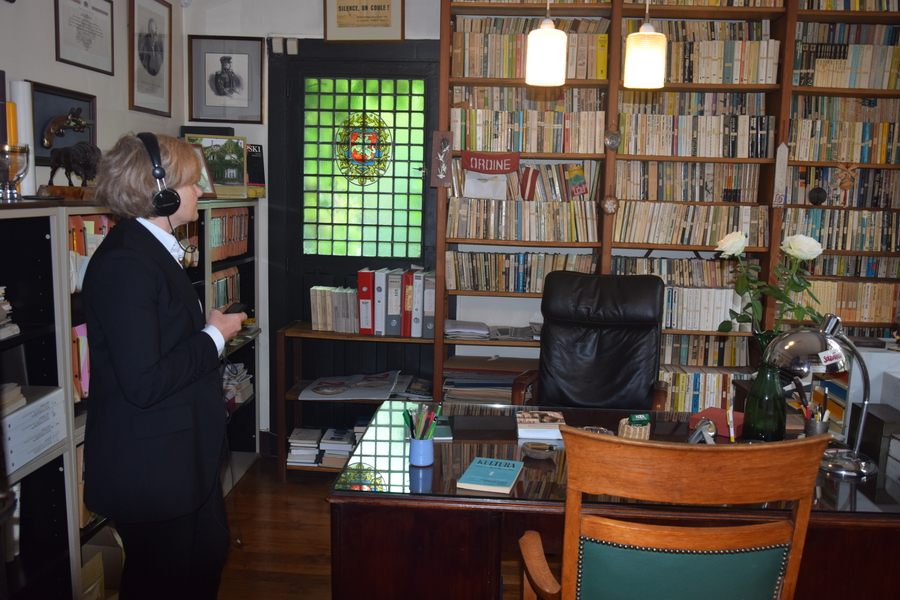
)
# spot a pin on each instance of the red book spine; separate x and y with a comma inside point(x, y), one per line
point(407, 303)
point(366, 292)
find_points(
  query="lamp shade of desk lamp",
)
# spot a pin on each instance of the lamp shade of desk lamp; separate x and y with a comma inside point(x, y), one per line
point(826, 350)
point(545, 58)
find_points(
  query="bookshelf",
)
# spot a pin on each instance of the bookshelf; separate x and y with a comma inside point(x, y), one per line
point(697, 159)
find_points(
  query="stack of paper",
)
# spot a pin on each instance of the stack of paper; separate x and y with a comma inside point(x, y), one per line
point(466, 330)
point(304, 446)
point(337, 445)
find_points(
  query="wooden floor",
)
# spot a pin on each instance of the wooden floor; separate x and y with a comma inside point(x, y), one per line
point(284, 528)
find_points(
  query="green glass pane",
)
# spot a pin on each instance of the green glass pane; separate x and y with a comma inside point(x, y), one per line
point(311, 118)
point(417, 153)
point(401, 219)
point(415, 202)
point(401, 203)
point(386, 202)
point(369, 249)
point(341, 86)
point(401, 152)
point(357, 86)
point(340, 248)
point(326, 151)
point(370, 201)
point(354, 232)
point(339, 215)
point(385, 234)
point(400, 233)
point(415, 220)
point(385, 185)
point(371, 103)
point(370, 234)
point(384, 249)
point(401, 185)
point(387, 103)
point(311, 102)
point(339, 232)
point(310, 215)
point(402, 119)
point(417, 103)
point(326, 168)
point(402, 136)
point(310, 247)
point(324, 247)
point(415, 186)
point(402, 103)
point(414, 250)
point(327, 102)
point(309, 184)
point(418, 120)
point(310, 167)
point(327, 86)
point(356, 103)
point(355, 201)
point(418, 86)
point(309, 231)
point(341, 102)
point(370, 217)
point(310, 134)
point(402, 86)
point(311, 86)
point(326, 184)
point(324, 231)
point(398, 250)
point(372, 86)
point(325, 201)
point(354, 216)
point(387, 86)
point(310, 151)
point(326, 119)
point(354, 249)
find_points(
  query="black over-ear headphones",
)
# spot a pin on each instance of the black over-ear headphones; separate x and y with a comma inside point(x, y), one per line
point(166, 200)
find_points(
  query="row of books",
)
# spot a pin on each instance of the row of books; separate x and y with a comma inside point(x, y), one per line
point(528, 131)
point(237, 385)
point(688, 350)
point(718, 136)
point(855, 266)
point(865, 230)
point(687, 182)
point(699, 309)
point(849, 141)
point(308, 447)
point(334, 308)
point(229, 232)
point(541, 182)
point(692, 389)
point(689, 224)
point(510, 271)
point(681, 30)
point(847, 33)
point(849, 66)
point(85, 232)
point(723, 61)
point(845, 186)
point(830, 108)
point(648, 102)
point(7, 327)
point(502, 56)
point(226, 287)
point(852, 5)
point(510, 25)
point(532, 98)
point(11, 398)
point(856, 301)
point(473, 218)
point(685, 272)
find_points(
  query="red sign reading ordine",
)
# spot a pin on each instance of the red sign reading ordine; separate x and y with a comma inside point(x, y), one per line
point(490, 162)
point(830, 356)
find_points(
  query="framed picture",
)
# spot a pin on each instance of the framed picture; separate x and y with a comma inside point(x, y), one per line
point(364, 21)
point(61, 118)
point(150, 57)
point(205, 183)
point(84, 34)
point(225, 78)
point(226, 163)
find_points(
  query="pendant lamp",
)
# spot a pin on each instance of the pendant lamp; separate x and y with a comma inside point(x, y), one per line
point(645, 57)
point(545, 55)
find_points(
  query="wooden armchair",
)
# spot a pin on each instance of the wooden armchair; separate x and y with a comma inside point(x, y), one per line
point(609, 558)
point(599, 343)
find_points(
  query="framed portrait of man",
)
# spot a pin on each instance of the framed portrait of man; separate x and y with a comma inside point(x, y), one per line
point(150, 57)
point(225, 78)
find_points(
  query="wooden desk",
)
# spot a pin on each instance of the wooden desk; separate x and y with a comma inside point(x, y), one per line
point(389, 543)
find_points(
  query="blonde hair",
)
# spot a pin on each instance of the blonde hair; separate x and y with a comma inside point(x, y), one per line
point(126, 185)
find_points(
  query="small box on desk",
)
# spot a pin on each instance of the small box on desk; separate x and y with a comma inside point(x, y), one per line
point(720, 418)
point(882, 422)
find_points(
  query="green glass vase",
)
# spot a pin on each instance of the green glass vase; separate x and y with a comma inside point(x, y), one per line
point(764, 412)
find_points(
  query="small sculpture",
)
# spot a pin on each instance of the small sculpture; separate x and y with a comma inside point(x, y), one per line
point(81, 159)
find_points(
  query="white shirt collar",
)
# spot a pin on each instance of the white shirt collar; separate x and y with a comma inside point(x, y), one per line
point(166, 239)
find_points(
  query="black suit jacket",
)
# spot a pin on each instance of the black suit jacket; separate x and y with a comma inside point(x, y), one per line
point(156, 417)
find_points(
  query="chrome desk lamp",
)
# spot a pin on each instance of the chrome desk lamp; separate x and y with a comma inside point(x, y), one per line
point(824, 350)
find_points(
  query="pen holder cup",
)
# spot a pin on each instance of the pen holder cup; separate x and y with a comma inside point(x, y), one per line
point(420, 479)
point(421, 452)
point(812, 427)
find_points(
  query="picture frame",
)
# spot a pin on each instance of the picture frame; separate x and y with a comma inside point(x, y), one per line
point(225, 78)
point(363, 21)
point(150, 57)
point(48, 104)
point(206, 182)
point(226, 161)
point(84, 34)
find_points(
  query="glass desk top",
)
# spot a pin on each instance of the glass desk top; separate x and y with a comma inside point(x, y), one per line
point(380, 462)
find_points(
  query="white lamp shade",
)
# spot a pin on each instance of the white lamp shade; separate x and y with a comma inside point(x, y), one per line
point(645, 59)
point(545, 56)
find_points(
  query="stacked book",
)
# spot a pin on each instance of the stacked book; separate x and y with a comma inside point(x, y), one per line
point(336, 444)
point(11, 398)
point(304, 447)
point(7, 327)
point(483, 379)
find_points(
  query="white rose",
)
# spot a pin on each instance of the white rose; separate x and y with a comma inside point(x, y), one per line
point(802, 247)
point(732, 244)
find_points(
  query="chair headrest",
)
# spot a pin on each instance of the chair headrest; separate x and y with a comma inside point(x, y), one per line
point(608, 299)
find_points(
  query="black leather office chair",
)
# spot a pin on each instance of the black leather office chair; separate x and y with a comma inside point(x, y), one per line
point(599, 343)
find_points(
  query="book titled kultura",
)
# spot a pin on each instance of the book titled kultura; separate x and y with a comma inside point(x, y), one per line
point(496, 475)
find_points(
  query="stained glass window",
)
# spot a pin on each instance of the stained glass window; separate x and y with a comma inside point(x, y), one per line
point(363, 148)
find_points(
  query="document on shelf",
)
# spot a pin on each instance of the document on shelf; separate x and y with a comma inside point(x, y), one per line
point(351, 387)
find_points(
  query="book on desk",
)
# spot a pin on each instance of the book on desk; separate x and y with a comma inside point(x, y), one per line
point(490, 475)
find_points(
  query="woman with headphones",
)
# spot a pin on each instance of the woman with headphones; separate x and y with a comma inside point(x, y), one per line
point(155, 429)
